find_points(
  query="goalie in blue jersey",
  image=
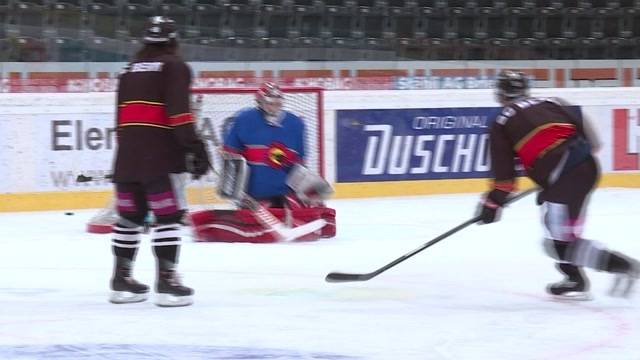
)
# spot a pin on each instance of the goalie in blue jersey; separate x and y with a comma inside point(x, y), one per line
point(263, 158)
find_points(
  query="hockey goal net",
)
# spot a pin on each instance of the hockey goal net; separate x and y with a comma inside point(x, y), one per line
point(214, 108)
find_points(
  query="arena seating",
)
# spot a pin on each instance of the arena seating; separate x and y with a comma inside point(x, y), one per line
point(322, 30)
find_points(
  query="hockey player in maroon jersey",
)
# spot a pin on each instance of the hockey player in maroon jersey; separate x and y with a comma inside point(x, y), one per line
point(556, 149)
point(156, 140)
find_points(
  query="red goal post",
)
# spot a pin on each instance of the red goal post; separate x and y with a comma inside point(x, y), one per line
point(211, 107)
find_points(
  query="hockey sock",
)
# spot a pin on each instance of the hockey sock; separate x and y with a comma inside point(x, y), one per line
point(586, 253)
point(166, 244)
point(125, 241)
point(573, 273)
point(615, 263)
point(580, 252)
point(593, 255)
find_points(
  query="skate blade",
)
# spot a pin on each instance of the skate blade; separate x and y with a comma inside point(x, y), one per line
point(623, 286)
point(573, 296)
point(125, 297)
point(168, 300)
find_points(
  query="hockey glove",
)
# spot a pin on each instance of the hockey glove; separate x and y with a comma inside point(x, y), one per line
point(309, 187)
point(490, 206)
point(198, 162)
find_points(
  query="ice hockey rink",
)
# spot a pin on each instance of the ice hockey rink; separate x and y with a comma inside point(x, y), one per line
point(478, 294)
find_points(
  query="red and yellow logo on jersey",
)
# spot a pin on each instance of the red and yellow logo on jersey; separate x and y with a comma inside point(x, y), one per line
point(279, 156)
point(275, 155)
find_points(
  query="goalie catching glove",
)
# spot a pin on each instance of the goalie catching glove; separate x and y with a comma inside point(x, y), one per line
point(309, 187)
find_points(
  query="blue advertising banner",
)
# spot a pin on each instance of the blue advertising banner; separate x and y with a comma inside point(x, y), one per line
point(413, 144)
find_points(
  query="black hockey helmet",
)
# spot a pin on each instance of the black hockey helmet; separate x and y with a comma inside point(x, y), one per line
point(160, 30)
point(511, 84)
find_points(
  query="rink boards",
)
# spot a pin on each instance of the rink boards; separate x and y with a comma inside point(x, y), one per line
point(375, 143)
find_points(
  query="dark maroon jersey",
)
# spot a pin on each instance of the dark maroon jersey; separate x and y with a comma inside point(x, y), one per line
point(536, 130)
point(155, 125)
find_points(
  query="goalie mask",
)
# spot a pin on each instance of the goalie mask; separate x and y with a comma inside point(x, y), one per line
point(270, 100)
point(511, 85)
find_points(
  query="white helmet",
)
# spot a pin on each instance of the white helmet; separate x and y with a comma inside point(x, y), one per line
point(270, 99)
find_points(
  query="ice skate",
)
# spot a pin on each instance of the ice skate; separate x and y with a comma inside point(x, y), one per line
point(624, 282)
point(125, 289)
point(171, 292)
point(574, 287)
point(569, 290)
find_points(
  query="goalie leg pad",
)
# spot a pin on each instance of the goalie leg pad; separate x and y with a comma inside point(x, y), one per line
point(242, 226)
point(306, 215)
point(231, 226)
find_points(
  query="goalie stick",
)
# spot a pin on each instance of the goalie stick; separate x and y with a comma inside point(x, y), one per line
point(346, 277)
point(282, 231)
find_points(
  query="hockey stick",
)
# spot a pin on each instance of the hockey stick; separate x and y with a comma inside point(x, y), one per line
point(346, 277)
point(84, 178)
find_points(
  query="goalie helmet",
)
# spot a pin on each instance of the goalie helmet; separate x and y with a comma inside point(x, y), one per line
point(160, 30)
point(270, 100)
point(511, 85)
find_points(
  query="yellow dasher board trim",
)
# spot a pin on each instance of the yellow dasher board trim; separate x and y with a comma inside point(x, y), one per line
point(430, 187)
point(61, 200)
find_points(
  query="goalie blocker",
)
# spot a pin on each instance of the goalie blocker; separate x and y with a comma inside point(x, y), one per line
point(301, 207)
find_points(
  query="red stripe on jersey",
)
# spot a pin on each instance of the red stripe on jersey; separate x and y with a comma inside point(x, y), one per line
point(142, 113)
point(541, 140)
point(275, 155)
point(256, 154)
point(506, 186)
point(181, 119)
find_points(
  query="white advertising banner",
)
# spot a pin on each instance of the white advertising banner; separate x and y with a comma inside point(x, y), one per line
point(618, 130)
point(48, 139)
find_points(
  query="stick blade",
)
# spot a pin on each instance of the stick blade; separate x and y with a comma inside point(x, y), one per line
point(83, 178)
point(290, 234)
point(336, 277)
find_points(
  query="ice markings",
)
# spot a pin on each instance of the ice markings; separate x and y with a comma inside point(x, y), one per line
point(156, 352)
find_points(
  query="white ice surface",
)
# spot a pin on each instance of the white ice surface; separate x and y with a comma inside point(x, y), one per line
point(478, 294)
